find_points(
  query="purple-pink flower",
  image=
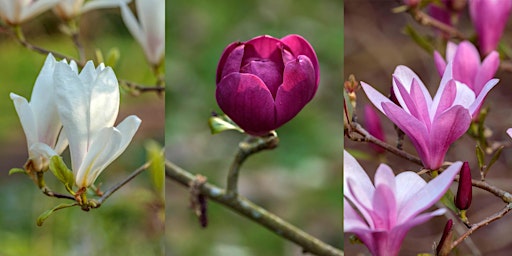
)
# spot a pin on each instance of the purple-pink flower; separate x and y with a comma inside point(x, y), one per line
point(374, 127)
point(380, 214)
point(489, 18)
point(468, 69)
point(432, 125)
point(265, 82)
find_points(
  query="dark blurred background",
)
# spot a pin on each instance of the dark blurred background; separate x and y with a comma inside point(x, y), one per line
point(300, 180)
point(128, 223)
point(374, 45)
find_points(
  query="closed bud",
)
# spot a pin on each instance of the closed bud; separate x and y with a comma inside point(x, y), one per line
point(374, 126)
point(464, 191)
point(444, 246)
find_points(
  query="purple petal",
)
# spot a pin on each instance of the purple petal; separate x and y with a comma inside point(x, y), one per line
point(384, 210)
point(408, 103)
point(270, 72)
point(509, 132)
point(429, 194)
point(299, 46)
point(399, 231)
point(297, 90)
point(263, 47)
point(224, 58)
point(420, 100)
point(487, 71)
point(447, 98)
point(248, 102)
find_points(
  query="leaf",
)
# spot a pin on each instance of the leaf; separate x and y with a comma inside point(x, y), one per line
point(62, 172)
point(494, 158)
point(17, 170)
point(155, 154)
point(480, 156)
point(47, 213)
point(420, 40)
point(348, 111)
point(222, 123)
point(113, 56)
point(448, 201)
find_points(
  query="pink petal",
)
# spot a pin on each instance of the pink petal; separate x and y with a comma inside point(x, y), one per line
point(413, 128)
point(297, 90)
point(451, 48)
point(474, 108)
point(466, 63)
point(405, 75)
point(248, 102)
point(384, 210)
point(407, 185)
point(487, 71)
point(429, 194)
point(439, 62)
point(263, 47)
point(420, 100)
point(374, 96)
point(446, 128)
point(447, 97)
point(509, 132)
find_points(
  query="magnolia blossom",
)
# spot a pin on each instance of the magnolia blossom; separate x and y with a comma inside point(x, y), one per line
point(40, 120)
point(150, 30)
point(88, 104)
point(431, 124)
point(489, 18)
point(69, 9)
point(15, 12)
point(380, 215)
point(467, 68)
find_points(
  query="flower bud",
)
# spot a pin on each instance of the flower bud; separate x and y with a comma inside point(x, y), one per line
point(374, 126)
point(464, 191)
point(489, 18)
point(264, 82)
point(445, 243)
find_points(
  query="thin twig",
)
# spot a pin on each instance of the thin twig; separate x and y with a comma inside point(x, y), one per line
point(426, 20)
point(251, 145)
point(159, 88)
point(116, 187)
point(244, 207)
point(483, 223)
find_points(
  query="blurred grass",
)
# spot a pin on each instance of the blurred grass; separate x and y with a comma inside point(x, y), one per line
point(301, 179)
point(127, 223)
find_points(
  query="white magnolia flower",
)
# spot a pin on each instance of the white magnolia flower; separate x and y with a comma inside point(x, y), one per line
point(88, 104)
point(69, 9)
point(15, 12)
point(39, 118)
point(150, 30)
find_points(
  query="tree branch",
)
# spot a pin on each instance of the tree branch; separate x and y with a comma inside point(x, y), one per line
point(255, 213)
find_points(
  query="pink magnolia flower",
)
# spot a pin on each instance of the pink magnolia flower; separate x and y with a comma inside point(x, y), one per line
point(264, 82)
point(431, 124)
point(468, 69)
point(489, 18)
point(381, 214)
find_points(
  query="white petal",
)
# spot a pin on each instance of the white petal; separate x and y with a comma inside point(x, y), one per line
point(73, 107)
point(405, 75)
point(27, 120)
point(374, 96)
point(465, 96)
point(97, 4)
point(36, 8)
point(151, 15)
point(102, 148)
point(104, 101)
point(133, 26)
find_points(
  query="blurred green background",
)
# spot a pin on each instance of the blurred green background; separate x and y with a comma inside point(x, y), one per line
point(300, 180)
point(129, 222)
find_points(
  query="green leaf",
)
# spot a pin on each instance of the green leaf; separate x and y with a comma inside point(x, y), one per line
point(46, 214)
point(420, 40)
point(155, 154)
point(17, 170)
point(448, 201)
point(222, 123)
point(494, 158)
point(62, 172)
point(480, 156)
point(348, 111)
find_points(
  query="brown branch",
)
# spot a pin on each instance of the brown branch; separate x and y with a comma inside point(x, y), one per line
point(483, 223)
point(138, 88)
point(244, 207)
point(426, 20)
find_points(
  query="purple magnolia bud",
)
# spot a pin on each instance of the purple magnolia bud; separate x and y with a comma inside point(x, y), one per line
point(464, 191)
point(411, 3)
point(489, 18)
point(374, 126)
point(445, 243)
point(265, 82)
